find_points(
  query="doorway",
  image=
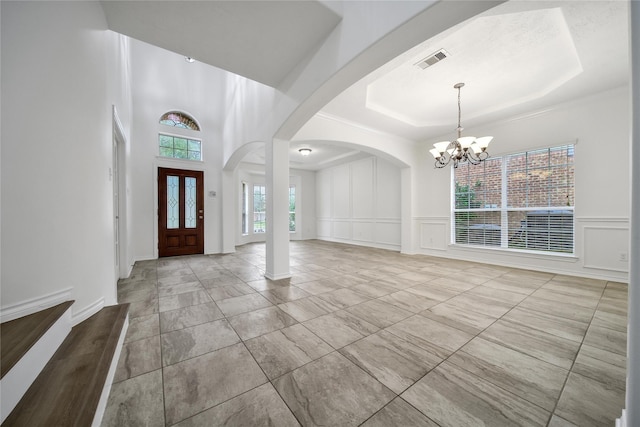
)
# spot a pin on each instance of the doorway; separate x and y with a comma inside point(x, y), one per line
point(119, 181)
point(115, 176)
point(180, 212)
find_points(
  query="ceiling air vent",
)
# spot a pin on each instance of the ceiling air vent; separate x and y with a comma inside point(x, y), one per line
point(432, 59)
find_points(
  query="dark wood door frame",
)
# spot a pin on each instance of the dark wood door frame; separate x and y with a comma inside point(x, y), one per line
point(181, 240)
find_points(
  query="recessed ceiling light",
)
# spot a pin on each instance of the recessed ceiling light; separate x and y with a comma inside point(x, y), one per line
point(189, 59)
point(305, 151)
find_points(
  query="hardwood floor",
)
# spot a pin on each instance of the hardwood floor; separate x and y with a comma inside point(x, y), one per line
point(19, 335)
point(67, 391)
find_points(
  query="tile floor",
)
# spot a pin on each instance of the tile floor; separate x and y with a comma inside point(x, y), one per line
point(362, 336)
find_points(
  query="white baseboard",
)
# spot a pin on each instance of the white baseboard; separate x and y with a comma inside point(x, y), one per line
point(622, 421)
point(33, 305)
point(104, 397)
point(277, 276)
point(144, 258)
point(17, 381)
point(88, 311)
point(368, 244)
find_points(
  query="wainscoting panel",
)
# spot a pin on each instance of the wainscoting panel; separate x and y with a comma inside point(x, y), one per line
point(606, 248)
point(433, 235)
point(388, 233)
point(388, 200)
point(323, 194)
point(341, 192)
point(363, 231)
point(323, 228)
point(359, 203)
point(362, 189)
point(341, 230)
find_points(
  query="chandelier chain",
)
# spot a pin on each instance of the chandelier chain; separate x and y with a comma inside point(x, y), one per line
point(459, 114)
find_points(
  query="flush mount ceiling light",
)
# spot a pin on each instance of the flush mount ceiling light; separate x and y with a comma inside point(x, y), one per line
point(305, 151)
point(189, 59)
point(463, 149)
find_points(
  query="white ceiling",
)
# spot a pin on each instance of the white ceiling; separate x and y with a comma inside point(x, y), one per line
point(260, 40)
point(323, 155)
point(517, 58)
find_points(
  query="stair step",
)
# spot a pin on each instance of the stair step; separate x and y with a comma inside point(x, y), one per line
point(19, 335)
point(69, 389)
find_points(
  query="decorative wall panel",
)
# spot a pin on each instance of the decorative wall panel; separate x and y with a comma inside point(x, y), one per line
point(606, 247)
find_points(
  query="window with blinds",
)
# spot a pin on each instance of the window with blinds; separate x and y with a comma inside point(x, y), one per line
point(521, 201)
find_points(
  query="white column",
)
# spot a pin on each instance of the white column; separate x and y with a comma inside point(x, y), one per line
point(633, 325)
point(230, 222)
point(277, 180)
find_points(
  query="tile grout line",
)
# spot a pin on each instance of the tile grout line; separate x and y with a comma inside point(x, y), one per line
point(564, 384)
point(164, 397)
point(468, 372)
point(379, 329)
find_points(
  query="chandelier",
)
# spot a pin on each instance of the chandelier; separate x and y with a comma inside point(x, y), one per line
point(464, 149)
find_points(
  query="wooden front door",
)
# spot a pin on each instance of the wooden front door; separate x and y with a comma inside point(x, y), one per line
point(180, 212)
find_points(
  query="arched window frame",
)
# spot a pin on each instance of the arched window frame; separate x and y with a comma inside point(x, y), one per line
point(179, 120)
point(181, 142)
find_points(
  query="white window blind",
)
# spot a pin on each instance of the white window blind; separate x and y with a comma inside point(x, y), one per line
point(522, 201)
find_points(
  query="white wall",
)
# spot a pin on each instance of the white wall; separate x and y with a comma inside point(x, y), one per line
point(256, 112)
point(359, 203)
point(306, 203)
point(164, 81)
point(61, 73)
point(600, 125)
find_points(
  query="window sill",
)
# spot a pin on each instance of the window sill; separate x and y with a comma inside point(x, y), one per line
point(551, 256)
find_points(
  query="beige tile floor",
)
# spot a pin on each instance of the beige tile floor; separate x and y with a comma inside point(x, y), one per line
point(362, 336)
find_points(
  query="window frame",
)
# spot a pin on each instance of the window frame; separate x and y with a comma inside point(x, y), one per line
point(185, 137)
point(187, 121)
point(263, 194)
point(244, 210)
point(496, 234)
point(293, 212)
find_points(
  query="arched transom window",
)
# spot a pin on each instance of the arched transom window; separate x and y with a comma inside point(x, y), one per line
point(179, 120)
point(179, 145)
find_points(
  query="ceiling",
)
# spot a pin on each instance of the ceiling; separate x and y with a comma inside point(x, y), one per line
point(260, 40)
point(324, 154)
point(517, 58)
